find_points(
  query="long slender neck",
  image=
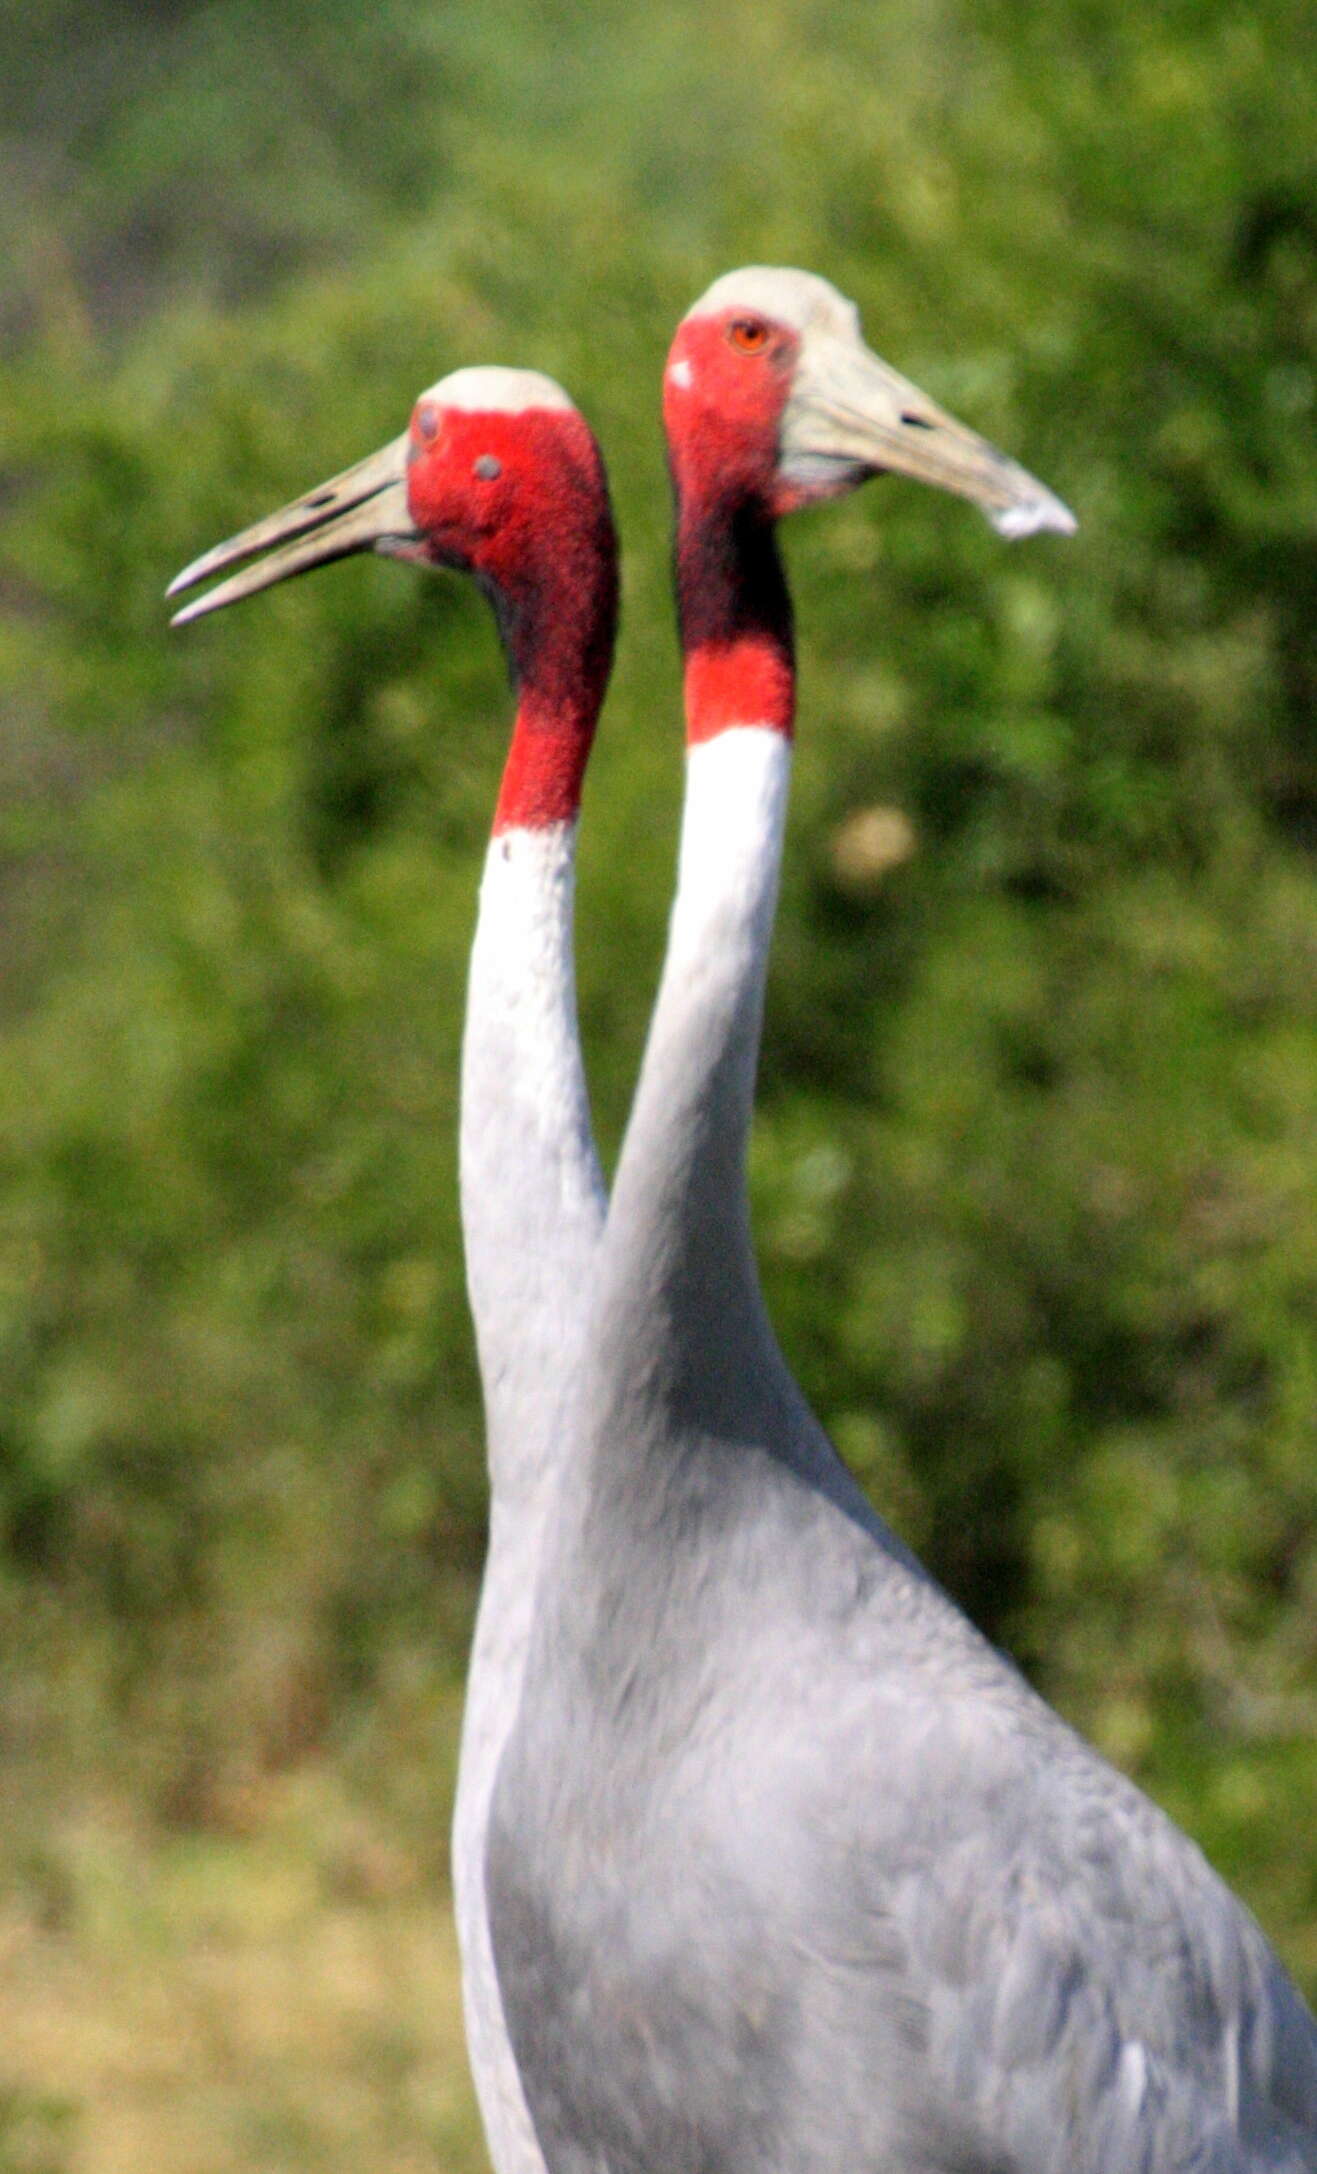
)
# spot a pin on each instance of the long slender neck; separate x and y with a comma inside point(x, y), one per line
point(532, 1214)
point(532, 1195)
point(680, 1269)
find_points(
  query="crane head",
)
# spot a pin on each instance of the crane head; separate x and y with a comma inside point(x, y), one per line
point(496, 468)
point(771, 393)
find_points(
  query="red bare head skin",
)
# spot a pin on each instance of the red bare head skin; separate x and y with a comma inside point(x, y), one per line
point(727, 383)
point(518, 498)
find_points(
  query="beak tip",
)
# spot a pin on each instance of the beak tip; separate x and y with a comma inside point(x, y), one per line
point(189, 577)
point(1027, 516)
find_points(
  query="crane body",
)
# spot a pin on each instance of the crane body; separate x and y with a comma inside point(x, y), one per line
point(499, 475)
point(787, 1867)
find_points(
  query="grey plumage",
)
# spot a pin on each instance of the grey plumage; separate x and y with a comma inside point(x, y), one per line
point(788, 1869)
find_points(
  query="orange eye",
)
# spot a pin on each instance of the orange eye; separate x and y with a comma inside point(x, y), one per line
point(750, 334)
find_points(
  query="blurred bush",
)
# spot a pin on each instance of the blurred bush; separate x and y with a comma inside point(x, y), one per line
point(1034, 1179)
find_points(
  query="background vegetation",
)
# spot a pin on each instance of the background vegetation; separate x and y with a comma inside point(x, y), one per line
point(1035, 1181)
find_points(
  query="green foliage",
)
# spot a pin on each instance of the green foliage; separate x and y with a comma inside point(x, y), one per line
point(1034, 1179)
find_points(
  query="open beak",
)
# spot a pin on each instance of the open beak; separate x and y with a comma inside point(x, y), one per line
point(849, 415)
point(364, 509)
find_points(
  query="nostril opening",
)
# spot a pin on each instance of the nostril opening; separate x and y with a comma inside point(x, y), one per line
point(320, 498)
point(917, 422)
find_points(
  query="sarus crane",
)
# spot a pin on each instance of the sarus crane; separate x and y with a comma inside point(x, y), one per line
point(788, 1868)
point(499, 475)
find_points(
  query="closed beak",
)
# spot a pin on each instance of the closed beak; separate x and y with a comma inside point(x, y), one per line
point(850, 415)
point(364, 509)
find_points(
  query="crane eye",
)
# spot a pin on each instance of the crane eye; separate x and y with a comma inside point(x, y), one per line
point(750, 334)
point(487, 468)
point(427, 423)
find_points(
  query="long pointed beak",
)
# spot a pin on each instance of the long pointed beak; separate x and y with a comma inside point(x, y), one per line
point(850, 415)
point(364, 509)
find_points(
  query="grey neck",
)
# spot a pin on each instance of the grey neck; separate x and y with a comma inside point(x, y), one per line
point(680, 1305)
point(532, 1194)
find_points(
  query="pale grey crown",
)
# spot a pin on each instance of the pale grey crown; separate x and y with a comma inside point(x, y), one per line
point(488, 388)
point(808, 304)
